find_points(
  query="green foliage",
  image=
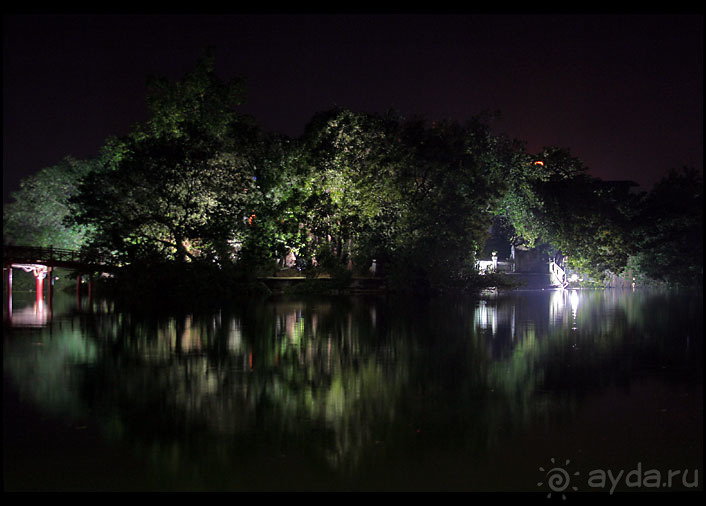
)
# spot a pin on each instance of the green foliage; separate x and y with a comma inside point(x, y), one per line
point(552, 200)
point(200, 187)
point(415, 198)
point(349, 187)
point(589, 220)
point(37, 215)
point(167, 198)
point(451, 179)
point(200, 98)
point(530, 180)
point(668, 231)
point(180, 187)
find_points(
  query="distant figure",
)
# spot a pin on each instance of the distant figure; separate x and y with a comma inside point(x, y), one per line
point(373, 267)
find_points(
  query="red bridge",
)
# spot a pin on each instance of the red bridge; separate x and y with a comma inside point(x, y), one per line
point(52, 257)
point(42, 262)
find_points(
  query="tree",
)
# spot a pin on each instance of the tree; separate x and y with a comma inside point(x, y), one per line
point(529, 181)
point(181, 186)
point(349, 187)
point(167, 198)
point(552, 200)
point(452, 178)
point(276, 212)
point(200, 99)
point(36, 216)
point(589, 220)
point(415, 197)
point(668, 231)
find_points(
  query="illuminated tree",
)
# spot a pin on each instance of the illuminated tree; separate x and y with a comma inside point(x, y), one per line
point(276, 214)
point(181, 186)
point(590, 220)
point(668, 231)
point(552, 200)
point(530, 180)
point(200, 99)
point(350, 192)
point(167, 198)
point(199, 182)
point(416, 198)
point(36, 216)
point(452, 177)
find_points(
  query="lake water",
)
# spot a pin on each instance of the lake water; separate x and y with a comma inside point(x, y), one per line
point(507, 391)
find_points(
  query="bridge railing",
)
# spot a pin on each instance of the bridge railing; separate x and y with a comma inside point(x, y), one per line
point(558, 273)
point(48, 256)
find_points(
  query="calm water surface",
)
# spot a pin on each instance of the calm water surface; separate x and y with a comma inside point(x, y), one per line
point(356, 393)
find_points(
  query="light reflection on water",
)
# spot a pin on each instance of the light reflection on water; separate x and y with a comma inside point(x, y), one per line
point(369, 393)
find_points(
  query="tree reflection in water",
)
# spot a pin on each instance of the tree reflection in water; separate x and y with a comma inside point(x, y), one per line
point(348, 392)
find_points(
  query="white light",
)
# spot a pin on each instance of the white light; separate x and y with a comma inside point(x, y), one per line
point(574, 299)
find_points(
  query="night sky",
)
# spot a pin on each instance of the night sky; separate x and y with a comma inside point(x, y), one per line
point(624, 93)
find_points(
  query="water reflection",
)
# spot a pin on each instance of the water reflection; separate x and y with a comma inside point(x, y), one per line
point(347, 392)
point(560, 301)
point(36, 315)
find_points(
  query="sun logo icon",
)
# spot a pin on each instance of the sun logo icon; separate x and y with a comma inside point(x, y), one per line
point(558, 479)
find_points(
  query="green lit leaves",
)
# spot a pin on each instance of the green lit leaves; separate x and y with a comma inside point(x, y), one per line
point(668, 230)
point(199, 99)
point(38, 216)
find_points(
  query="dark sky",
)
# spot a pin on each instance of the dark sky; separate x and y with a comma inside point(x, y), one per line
point(623, 92)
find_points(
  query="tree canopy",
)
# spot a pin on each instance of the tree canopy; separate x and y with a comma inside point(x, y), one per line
point(668, 231)
point(199, 182)
point(40, 206)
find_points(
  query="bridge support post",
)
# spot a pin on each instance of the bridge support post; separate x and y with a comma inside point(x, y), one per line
point(39, 276)
point(50, 287)
point(78, 289)
point(7, 271)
